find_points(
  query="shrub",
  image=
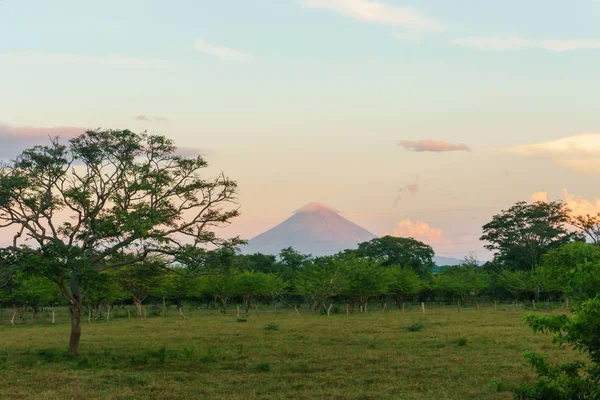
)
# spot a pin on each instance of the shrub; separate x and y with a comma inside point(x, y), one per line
point(568, 380)
point(461, 342)
point(263, 367)
point(415, 327)
point(271, 326)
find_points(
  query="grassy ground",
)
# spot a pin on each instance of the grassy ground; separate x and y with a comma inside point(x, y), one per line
point(282, 356)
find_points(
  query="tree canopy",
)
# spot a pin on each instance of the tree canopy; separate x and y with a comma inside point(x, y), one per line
point(106, 199)
point(520, 235)
point(398, 251)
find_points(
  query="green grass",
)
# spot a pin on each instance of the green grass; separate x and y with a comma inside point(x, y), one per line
point(361, 356)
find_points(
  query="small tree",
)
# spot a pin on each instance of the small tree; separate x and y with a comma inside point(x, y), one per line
point(24, 292)
point(365, 279)
point(107, 194)
point(250, 284)
point(465, 282)
point(138, 280)
point(320, 281)
point(222, 287)
point(403, 282)
point(520, 283)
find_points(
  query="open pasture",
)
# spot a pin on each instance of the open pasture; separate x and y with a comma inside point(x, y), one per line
point(442, 354)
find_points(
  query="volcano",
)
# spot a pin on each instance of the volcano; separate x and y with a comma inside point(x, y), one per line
point(313, 229)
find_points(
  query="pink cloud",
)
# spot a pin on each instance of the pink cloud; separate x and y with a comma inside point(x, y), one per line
point(143, 117)
point(7, 130)
point(420, 231)
point(413, 188)
point(14, 139)
point(577, 204)
point(434, 146)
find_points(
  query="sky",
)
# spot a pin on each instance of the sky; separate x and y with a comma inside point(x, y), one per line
point(415, 118)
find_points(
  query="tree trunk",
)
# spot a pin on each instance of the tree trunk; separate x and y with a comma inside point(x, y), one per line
point(75, 314)
point(138, 306)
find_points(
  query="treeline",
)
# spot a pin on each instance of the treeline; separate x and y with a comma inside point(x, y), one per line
point(385, 270)
point(537, 257)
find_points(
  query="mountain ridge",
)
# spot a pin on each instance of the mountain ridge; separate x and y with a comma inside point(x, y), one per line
point(319, 230)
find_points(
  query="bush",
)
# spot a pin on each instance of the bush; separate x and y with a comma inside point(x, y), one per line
point(264, 367)
point(462, 342)
point(568, 380)
point(271, 326)
point(415, 327)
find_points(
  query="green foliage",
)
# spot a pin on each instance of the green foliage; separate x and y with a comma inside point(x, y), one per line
point(138, 280)
point(125, 201)
point(415, 327)
point(319, 281)
point(464, 282)
point(568, 380)
point(403, 282)
point(264, 367)
point(271, 326)
point(399, 252)
point(521, 235)
point(519, 283)
point(364, 279)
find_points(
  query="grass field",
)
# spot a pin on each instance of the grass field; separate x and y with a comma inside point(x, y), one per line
point(274, 356)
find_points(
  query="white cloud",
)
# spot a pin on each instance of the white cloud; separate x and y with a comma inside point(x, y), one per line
point(224, 53)
point(380, 13)
point(39, 58)
point(514, 43)
point(579, 153)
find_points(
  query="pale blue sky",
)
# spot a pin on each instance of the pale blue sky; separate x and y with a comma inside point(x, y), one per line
point(305, 100)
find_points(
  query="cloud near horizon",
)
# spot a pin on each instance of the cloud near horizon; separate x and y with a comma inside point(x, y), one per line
point(379, 13)
point(579, 153)
point(15, 139)
point(577, 204)
point(516, 43)
point(539, 197)
point(420, 231)
point(434, 146)
point(224, 53)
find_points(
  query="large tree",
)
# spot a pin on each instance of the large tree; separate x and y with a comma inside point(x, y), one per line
point(521, 235)
point(401, 252)
point(106, 199)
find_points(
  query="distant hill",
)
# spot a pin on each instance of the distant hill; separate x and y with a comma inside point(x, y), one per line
point(442, 261)
point(319, 230)
point(313, 229)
